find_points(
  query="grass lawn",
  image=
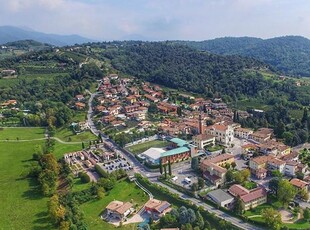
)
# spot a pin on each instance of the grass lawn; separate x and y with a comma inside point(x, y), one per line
point(78, 185)
point(22, 205)
point(249, 185)
point(300, 224)
point(140, 148)
point(123, 191)
point(60, 149)
point(67, 135)
point(21, 133)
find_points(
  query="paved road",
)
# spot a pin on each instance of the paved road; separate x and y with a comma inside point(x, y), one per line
point(152, 176)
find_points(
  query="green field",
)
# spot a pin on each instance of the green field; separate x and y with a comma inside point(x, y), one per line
point(140, 148)
point(22, 205)
point(21, 133)
point(123, 191)
point(67, 135)
point(60, 149)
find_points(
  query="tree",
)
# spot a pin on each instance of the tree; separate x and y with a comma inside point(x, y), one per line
point(307, 214)
point(83, 145)
point(195, 163)
point(233, 165)
point(187, 226)
point(276, 173)
point(245, 173)
point(201, 182)
point(304, 194)
point(84, 177)
point(229, 176)
point(286, 192)
point(168, 220)
point(238, 207)
point(274, 185)
point(169, 168)
point(195, 187)
point(207, 225)
point(272, 218)
point(152, 108)
point(160, 167)
point(191, 216)
point(183, 217)
point(199, 220)
point(179, 111)
point(304, 116)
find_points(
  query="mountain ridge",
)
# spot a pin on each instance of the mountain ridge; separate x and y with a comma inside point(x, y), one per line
point(12, 34)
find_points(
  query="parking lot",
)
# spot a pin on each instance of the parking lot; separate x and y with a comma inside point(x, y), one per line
point(113, 165)
point(181, 171)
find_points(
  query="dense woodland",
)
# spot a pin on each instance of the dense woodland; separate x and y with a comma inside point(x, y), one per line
point(289, 54)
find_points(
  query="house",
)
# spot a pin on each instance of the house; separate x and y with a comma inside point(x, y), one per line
point(8, 72)
point(223, 133)
point(221, 198)
point(249, 198)
point(261, 135)
point(203, 140)
point(213, 168)
point(79, 97)
point(276, 164)
point(118, 210)
point(80, 105)
point(157, 208)
point(131, 99)
point(291, 168)
point(258, 163)
point(248, 148)
point(299, 184)
point(242, 133)
point(151, 98)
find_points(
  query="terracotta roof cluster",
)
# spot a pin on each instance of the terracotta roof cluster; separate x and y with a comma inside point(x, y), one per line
point(247, 195)
point(299, 183)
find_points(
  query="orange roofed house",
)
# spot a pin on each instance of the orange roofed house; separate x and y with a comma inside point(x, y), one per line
point(118, 210)
point(249, 198)
point(213, 168)
point(157, 208)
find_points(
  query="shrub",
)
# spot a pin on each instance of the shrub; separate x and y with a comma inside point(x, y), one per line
point(84, 177)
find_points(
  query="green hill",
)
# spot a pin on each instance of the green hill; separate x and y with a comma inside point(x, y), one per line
point(289, 54)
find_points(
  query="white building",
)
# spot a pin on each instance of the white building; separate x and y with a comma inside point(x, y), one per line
point(152, 155)
point(243, 133)
point(224, 134)
point(221, 198)
point(203, 140)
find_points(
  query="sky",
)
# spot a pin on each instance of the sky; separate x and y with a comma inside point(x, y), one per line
point(160, 19)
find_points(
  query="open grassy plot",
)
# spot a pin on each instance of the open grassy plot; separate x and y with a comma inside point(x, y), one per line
point(123, 191)
point(22, 205)
point(60, 149)
point(140, 148)
point(67, 135)
point(299, 224)
point(21, 133)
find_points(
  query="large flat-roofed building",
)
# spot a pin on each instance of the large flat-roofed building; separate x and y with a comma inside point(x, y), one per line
point(221, 198)
point(152, 155)
point(213, 168)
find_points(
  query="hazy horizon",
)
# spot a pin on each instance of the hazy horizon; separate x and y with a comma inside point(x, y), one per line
point(160, 19)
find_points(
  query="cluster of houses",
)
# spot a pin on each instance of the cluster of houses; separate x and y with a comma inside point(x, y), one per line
point(9, 103)
point(120, 211)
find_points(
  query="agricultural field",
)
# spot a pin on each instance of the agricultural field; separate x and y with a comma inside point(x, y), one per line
point(22, 205)
point(140, 148)
point(123, 191)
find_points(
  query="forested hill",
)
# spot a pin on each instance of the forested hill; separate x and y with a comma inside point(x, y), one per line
point(186, 68)
point(289, 54)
